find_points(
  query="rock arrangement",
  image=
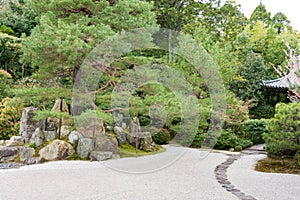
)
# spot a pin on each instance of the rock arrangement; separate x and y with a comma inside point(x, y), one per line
point(38, 141)
point(220, 173)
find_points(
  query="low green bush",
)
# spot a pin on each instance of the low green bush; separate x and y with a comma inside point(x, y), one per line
point(162, 137)
point(254, 129)
point(245, 143)
point(238, 148)
point(227, 140)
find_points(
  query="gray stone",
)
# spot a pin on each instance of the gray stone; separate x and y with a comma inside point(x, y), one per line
point(144, 140)
point(121, 137)
point(124, 126)
point(57, 150)
point(85, 147)
point(50, 135)
point(8, 154)
point(15, 141)
point(28, 125)
point(106, 143)
point(8, 151)
point(100, 156)
point(37, 138)
point(65, 131)
point(26, 154)
point(91, 129)
point(74, 137)
point(147, 143)
point(34, 160)
point(50, 126)
point(119, 119)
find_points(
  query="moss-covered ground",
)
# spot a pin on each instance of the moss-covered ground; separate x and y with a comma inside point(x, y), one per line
point(275, 165)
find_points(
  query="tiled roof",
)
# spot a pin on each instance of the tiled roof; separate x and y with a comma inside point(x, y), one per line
point(289, 81)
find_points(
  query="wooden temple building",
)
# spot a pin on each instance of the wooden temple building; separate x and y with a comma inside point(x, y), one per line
point(288, 84)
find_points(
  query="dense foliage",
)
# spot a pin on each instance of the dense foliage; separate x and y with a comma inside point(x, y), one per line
point(44, 43)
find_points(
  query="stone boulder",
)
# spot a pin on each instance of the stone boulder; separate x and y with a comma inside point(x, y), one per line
point(8, 154)
point(144, 139)
point(74, 137)
point(147, 143)
point(50, 135)
point(60, 105)
point(91, 129)
point(34, 160)
point(65, 131)
point(26, 153)
point(28, 125)
point(85, 147)
point(50, 126)
point(57, 150)
point(15, 141)
point(106, 143)
point(37, 138)
point(100, 156)
point(121, 137)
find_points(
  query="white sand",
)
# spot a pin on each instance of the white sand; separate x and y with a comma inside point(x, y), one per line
point(260, 185)
point(189, 177)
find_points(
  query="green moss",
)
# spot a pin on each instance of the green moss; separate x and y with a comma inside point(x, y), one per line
point(75, 156)
point(111, 133)
point(37, 149)
point(273, 165)
point(127, 150)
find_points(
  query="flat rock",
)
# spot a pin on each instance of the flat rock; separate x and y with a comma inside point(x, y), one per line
point(100, 156)
point(8, 154)
point(15, 141)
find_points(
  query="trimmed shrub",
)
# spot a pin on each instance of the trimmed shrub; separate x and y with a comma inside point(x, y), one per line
point(238, 148)
point(162, 137)
point(227, 140)
point(254, 129)
point(283, 135)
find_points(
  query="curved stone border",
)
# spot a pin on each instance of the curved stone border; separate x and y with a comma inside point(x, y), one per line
point(221, 176)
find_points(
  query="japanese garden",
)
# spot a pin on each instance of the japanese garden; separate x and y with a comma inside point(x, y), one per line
point(105, 80)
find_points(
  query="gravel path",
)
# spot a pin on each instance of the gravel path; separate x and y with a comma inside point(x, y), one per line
point(190, 177)
point(156, 177)
point(261, 185)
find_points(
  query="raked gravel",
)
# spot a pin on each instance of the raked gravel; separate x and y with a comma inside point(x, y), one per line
point(157, 177)
point(260, 185)
point(178, 173)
